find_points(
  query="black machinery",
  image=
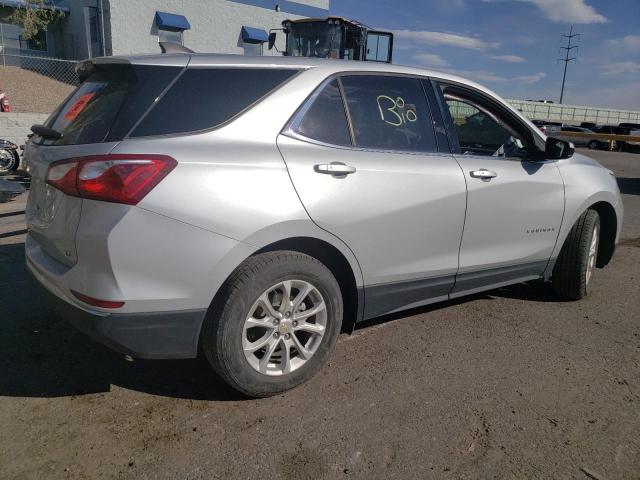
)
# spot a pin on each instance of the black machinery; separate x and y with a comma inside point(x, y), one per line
point(335, 37)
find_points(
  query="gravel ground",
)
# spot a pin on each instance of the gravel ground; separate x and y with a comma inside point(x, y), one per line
point(22, 85)
point(511, 384)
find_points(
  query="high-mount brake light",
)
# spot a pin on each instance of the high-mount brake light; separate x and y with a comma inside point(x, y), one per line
point(117, 178)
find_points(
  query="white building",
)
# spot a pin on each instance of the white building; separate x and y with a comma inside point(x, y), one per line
point(89, 28)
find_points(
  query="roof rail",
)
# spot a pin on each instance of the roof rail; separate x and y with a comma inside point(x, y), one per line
point(173, 47)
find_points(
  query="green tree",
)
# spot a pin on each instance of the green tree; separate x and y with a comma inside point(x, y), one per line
point(34, 16)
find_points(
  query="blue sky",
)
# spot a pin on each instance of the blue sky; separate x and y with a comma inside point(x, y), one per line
point(511, 46)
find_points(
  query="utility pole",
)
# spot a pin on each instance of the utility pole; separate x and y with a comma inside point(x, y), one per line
point(567, 58)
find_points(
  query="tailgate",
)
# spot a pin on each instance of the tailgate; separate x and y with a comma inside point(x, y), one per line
point(52, 217)
point(112, 98)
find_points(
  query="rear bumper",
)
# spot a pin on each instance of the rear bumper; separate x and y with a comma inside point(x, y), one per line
point(159, 335)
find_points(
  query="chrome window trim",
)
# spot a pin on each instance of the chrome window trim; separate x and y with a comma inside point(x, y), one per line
point(302, 138)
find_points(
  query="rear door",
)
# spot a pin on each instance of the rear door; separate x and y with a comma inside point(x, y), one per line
point(92, 121)
point(369, 171)
point(515, 199)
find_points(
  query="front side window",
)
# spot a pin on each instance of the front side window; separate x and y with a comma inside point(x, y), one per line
point(389, 113)
point(325, 120)
point(481, 131)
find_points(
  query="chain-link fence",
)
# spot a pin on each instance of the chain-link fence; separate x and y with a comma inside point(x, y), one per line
point(55, 68)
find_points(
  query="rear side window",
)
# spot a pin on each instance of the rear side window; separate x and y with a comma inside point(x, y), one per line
point(204, 98)
point(325, 120)
point(108, 103)
point(389, 113)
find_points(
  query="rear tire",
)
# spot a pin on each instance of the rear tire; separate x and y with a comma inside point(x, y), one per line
point(296, 341)
point(573, 271)
point(593, 145)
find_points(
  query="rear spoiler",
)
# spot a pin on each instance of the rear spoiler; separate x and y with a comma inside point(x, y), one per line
point(87, 67)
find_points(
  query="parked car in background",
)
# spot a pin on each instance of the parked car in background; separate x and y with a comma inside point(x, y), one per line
point(540, 123)
point(251, 208)
point(634, 146)
point(611, 130)
point(578, 141)
point(550, 129)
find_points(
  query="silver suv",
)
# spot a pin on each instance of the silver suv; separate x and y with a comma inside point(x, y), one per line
point(252, 208)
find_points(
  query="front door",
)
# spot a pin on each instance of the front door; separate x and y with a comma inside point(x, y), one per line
point(380, 186)
point(515, 201)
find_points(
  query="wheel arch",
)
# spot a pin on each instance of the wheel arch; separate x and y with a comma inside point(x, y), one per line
point(339, 265)
point(608, 231)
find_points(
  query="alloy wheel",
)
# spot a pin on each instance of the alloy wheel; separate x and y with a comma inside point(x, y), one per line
point(284, 327)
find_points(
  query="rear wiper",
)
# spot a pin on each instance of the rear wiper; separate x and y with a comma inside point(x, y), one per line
point(46, 132)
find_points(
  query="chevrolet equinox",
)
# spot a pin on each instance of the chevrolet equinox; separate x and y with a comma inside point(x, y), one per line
point(251, 209)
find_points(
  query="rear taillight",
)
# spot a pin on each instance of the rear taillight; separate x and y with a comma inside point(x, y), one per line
point(117, 178)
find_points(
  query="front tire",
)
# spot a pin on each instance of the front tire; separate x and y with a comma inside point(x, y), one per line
point(274, 323)
point(593, 145)
point(573, 271)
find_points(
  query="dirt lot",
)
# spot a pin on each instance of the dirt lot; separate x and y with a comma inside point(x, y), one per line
point(20, 85)
point(511, 384)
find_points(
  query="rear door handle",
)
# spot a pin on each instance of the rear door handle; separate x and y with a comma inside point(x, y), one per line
point(335, 168)
point(484, 174)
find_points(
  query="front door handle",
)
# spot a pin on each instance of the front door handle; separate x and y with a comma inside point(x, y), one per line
point(335, 168)
point(484, 174)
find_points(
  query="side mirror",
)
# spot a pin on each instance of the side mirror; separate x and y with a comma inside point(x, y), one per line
point(272, 40)
point(556, 149)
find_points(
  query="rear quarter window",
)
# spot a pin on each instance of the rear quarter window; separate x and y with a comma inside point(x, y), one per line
point(326, 119)
point(204, 98)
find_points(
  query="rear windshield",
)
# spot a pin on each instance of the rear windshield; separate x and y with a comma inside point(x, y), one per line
point(204, 98)
point(107, 105)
